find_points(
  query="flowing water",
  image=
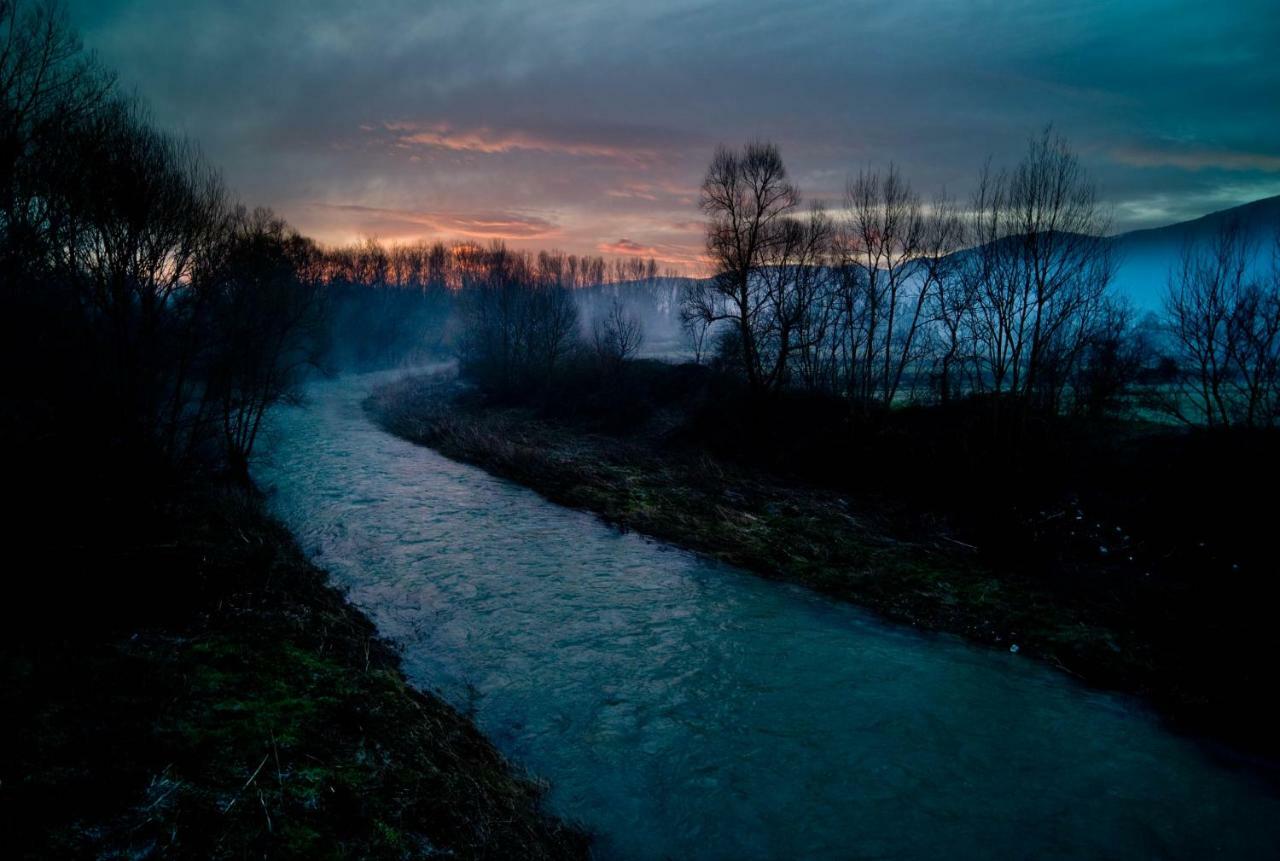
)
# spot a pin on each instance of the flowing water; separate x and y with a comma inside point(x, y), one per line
point(682, 709)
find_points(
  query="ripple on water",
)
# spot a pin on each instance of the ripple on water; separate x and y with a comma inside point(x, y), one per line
point(681, 709)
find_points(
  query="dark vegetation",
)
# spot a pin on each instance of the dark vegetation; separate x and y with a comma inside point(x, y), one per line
point(227, 703)
point(177, 681)
point(940, 413)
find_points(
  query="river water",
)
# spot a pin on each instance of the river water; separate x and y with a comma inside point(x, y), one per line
point(682, 709)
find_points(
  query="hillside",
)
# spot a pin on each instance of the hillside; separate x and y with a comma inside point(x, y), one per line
point(1146, 255)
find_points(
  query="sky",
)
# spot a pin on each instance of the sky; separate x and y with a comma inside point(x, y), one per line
point(587, 126)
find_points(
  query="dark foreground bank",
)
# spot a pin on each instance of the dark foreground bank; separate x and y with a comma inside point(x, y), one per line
point(226, 702)
point(1192, 648)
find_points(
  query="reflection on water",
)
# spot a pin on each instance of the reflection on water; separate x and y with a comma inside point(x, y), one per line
point(681, 709)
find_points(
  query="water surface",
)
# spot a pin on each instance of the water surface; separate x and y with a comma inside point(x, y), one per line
point(681, 709)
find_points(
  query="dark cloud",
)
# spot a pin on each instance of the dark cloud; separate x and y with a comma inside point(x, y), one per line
point(598, 118)
point(626, 246)
point(680, 255)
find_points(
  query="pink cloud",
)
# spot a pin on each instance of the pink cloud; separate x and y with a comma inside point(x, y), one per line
point(445, 223)
point(489, 141)
point(655, 190)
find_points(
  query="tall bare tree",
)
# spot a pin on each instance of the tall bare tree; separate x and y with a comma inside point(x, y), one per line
point(1042, 263)
point(950, 296)
point(797, 284)
point(881, 242)
point(748, 200)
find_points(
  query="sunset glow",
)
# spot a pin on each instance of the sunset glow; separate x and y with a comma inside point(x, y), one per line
point(588, 127)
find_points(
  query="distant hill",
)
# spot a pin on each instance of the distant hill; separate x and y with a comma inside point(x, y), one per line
point(1146, 255)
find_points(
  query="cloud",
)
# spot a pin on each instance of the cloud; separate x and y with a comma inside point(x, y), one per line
point(688, 258)
point(605, 114)
point(655, 190)
point(443, 223)
point(481, 139)
point(1198, 159)
point(626, 246)
point(1160, 208)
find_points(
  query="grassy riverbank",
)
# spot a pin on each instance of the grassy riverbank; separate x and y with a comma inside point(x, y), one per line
point(1096, 620)
point(223, 701)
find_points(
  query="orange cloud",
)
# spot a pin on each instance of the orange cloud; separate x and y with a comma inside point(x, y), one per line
point(477, 225)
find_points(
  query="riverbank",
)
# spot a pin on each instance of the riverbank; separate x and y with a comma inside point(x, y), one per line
point(227, 702)
point(910, 570)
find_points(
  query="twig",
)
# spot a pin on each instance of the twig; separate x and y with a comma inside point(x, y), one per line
point(246, 784)
point(265, 812)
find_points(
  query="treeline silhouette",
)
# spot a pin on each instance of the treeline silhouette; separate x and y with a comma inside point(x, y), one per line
point(399, 303)
point(149, 320)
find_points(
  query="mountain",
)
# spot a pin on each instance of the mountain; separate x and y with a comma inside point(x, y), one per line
point(1145, 256)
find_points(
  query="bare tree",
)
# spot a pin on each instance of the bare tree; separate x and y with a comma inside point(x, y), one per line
point(1117, 351)
point(881, 242)
point(616, 337)
point(1224, 317)
point(797, 284)
point(125, 241)
point(552, 327)
point(950, 296)
point(517, 328)
point(1042, 263)
point(140, 208)
point(48, 87)
point(747, 199)
point(695, 324)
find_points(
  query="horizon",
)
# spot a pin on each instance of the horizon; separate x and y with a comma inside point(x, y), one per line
point(549, 129)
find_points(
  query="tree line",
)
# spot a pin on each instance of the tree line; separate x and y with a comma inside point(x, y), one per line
point(522, 326)
point(1005, 295)
point(395, 303)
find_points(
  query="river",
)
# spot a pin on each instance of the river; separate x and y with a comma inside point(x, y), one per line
point(682, 709)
